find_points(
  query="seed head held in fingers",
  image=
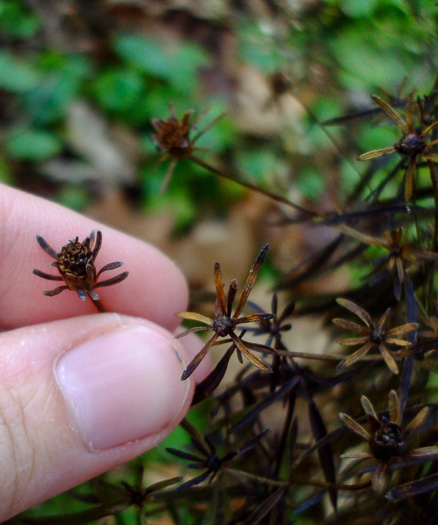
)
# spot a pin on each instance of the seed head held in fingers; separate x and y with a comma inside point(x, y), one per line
point(76, 265)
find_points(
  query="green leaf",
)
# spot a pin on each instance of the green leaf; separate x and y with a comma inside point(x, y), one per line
point(177, 66)
point(186, 62)
point(311, 184)
point(257, 48)
point(146, 55)
point(358, 8)
point(34, 145)
point(74, 197)
point(5, 175)
point(16, 22)
point(50, 99)
point(16, 75)
point(119, 90)
point(260, 165)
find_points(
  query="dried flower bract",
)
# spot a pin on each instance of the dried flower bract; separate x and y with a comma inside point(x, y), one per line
point(75, 263)
point(372, 336)
point(387, 439)
point(411, 145)
point(225, 322)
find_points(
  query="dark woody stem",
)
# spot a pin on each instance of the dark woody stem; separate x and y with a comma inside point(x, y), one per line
point(298, 481)
point(433, 178)
point(250, 186)
point(98, 304)
point(408, 364)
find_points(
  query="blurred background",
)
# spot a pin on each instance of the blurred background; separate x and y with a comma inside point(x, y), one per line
point(81, 80)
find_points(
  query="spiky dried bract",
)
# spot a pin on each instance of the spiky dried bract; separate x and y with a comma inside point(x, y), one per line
point(76, 265)
point(173, 138)
point(207, 458)
point(372, 335)
point(172, 135)
point(411, 145)
point(402, 257)
point(386, 438)
point(225, 322)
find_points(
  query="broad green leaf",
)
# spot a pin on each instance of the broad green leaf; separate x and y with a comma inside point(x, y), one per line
point(16, 22)
point(119, 90)
point(17, 75)
point(34, 145)
point(50, 99)
point(146, 55)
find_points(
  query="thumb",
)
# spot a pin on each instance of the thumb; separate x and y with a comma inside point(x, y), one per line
point(80, 396)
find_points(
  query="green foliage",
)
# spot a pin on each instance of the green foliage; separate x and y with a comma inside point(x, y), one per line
point(178, 66)
point(60, 83)
point(120, 91)
point(34, 145)
point(16, 74)
point(336, 53)
point(16, 22)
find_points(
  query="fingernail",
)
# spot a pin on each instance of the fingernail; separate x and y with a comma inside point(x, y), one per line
point(123, 386)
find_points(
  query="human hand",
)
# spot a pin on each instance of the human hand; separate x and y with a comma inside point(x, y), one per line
point(81, 392)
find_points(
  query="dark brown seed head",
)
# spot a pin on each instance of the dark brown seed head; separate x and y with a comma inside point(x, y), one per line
point(387, 441)
point(411, 144)
point(377, 336)
point(76, 265)
point(279, 84)
point(173, 136)
point(223, 325)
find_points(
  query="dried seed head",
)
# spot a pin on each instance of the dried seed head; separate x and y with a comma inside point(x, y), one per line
point(173, 136)
point(226, 321)
point(387, 441)
point(410, 144)
point(76, 265)
point(279, 83)
point(223, 325)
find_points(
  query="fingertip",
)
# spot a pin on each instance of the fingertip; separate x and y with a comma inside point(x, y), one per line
point(154, 289)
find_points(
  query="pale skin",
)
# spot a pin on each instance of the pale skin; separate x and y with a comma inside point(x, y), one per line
point(42, 452)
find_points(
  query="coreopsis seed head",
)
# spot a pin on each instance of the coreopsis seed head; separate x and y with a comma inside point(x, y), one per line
point(279, 83)
point(411, 145)
point(226, 321)
point(371, 335)
point(402, 256)
point(387, 438)
point(387, 441)
point(75, 263)
point(172, 135)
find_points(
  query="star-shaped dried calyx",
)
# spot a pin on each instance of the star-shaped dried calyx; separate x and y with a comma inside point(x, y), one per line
point(207, 458)
point(403, 254)
point(226, 321)
point(372, 335)
point(75, 263)
point(411, 145)
point(387, 439)
point(173, 138)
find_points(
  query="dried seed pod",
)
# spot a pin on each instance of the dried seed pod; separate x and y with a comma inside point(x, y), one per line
point(76, 264)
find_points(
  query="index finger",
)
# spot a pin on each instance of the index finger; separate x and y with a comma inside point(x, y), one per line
point(155, 288)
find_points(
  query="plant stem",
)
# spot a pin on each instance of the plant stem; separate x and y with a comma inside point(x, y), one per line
point(250, 186)
point(98, 304)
